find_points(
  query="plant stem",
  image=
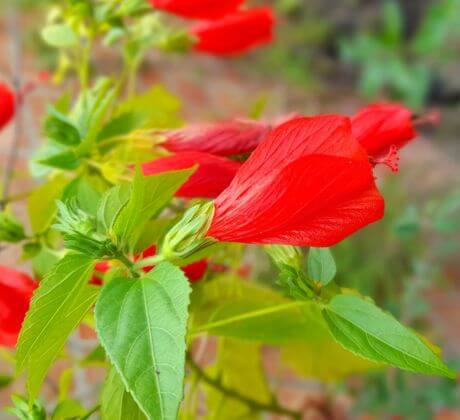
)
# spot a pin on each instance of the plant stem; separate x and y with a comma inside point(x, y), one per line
point(93, 410)
point(273, 407)
point(147, 262)
point(17, 83)
point(128, 263)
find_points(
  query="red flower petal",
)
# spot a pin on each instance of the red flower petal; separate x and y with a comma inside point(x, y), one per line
point(16, 290)
point(308, 183)
point(213, 175)
point(235, 33)
point(225, 139)
point(380, 126)
point(100, 267)
point(198, 9)
point(195, 271)
point(7, 104)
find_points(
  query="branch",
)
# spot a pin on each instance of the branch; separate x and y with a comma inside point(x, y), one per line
point(273, 407)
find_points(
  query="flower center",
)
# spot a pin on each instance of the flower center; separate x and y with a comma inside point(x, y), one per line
point(391, 159)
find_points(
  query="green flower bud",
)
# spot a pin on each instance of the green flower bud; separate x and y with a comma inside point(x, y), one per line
point(189, 235)
point(285, 255)
point(11, 229)
point(80, 233)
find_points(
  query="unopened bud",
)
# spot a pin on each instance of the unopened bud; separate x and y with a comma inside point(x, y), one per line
point(285, 255)
point(11, 229)
point(189, 235)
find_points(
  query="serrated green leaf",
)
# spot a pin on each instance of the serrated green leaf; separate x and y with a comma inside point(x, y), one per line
point(41, 204)
point(59, 35)
point(227, 307)
point(149, 195)
point(141, 324)
point(58, 305)
point(321, 265)
point(116, 402)
point(364, 329)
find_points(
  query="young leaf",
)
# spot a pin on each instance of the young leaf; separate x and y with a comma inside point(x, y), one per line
point(156, 107)
point(141, 324)
point(321, 265)
point(366, 330)
point(59, 35)
point(60, 129)
point(67, 160)
point(58, 305)
point(149, 195)
point(112, 203)
point(41, 205)
point(116, 402)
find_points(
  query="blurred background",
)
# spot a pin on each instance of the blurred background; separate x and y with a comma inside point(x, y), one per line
point(329, 57)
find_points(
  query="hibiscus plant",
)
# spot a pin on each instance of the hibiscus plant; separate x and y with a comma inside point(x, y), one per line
point(138, 229)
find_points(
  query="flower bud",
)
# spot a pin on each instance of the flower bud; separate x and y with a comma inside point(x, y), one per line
point(11, 229)
point(189, 235)
point(285, 255)
point(80, 232)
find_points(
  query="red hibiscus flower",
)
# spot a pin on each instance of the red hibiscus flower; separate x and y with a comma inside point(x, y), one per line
point(198, 9)
point(235, 33)
point(16, 290)
point(194, 272)
point(213, 175)
point(382, 129)
point(308, 183)
point(7, 104)
point(224, 139)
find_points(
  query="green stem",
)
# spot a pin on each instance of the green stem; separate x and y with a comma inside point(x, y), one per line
point(147, 262)
point(273, 407)
point(93, 410)
point(128, 264)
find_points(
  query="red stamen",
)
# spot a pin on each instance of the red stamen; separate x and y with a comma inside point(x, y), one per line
point(391, 159)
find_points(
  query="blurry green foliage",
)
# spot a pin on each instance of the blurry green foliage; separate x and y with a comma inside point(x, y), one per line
point(387, 60)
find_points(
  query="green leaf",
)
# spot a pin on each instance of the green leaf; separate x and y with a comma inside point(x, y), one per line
point(116, 402)
point(57, 307)
point(364, 329)
point(112, 203)
point(228, 307)
point(392, 23)
point(84, 193)
point(60, 36)
point(440, 18)
point(90, 111)
point(157, 108)
point(68, 409)
point(41, 204)
point(141, 324)
point(234, 359)
point(60, 129)
point(321, 265)
point(5, 381)
point(67, 160)
point(149, 195)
